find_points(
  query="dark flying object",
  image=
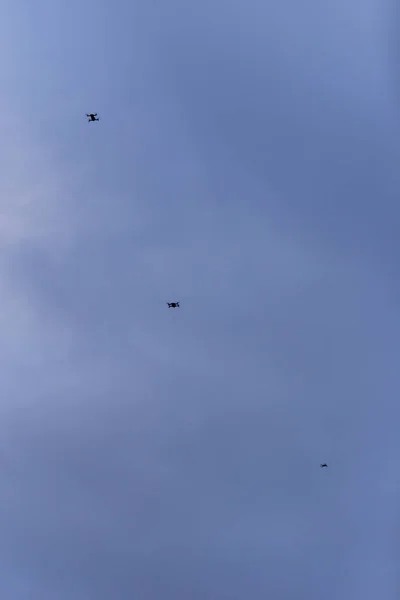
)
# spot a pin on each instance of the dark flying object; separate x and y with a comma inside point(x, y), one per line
point(92, 117)
point(173, 304)
point(323, 465)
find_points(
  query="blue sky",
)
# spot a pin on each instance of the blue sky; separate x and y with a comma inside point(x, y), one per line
point(245, 164)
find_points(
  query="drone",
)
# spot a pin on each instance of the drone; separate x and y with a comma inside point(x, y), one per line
point(92, 117)
point(173, 304)
point(323, 465)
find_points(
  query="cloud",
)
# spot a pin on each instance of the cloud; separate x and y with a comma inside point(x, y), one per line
point(249, 173)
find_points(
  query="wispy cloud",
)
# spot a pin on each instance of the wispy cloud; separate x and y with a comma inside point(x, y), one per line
point(245, 164)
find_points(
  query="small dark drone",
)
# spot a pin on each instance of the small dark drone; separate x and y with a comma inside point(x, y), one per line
point(173, 304)
point(92, 117)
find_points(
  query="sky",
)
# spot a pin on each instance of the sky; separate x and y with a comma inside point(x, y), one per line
point(245, 164)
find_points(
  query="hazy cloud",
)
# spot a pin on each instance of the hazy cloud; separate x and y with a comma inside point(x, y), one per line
point(245, 164)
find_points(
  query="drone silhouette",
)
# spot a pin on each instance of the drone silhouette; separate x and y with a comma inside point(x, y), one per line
point(92, 117)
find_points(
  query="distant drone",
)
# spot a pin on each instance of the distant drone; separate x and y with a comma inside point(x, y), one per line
point(323, 465)
point(173, 304)
point(92, 117)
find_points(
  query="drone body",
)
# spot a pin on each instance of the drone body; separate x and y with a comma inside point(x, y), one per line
point(173, 304)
